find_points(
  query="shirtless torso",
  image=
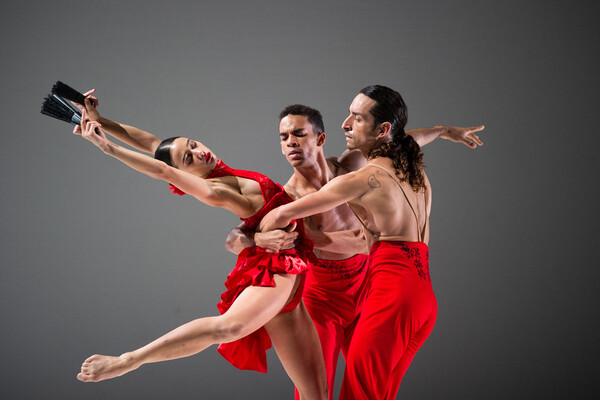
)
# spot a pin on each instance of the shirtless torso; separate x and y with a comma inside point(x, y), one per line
point(335, 284)
point(407, 220)
point(336, 232)
point(400, 309)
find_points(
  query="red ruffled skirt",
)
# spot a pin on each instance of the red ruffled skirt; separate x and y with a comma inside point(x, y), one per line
point(256, 267)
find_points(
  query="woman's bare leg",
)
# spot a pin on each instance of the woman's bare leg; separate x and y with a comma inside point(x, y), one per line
point(253, 308)
point(296, 341)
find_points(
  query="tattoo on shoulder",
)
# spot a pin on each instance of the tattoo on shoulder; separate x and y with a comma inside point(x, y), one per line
point(373, 182)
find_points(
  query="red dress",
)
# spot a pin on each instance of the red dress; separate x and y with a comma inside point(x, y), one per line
point(256, 267)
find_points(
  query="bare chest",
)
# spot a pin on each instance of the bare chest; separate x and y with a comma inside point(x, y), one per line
point(337, 219)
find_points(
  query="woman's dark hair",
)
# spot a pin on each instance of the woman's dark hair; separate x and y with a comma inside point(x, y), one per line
point(402, 149)
point(163, 151)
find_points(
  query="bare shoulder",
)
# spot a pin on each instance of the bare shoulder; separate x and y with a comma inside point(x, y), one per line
point(348, 161)
point(290, 188)
point(243, 197)
point(373, 175)
point(366, 174)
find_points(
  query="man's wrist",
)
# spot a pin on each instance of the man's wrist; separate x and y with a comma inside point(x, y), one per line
point(443, 131)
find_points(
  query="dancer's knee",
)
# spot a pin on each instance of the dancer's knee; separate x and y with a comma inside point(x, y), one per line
point(317, 392)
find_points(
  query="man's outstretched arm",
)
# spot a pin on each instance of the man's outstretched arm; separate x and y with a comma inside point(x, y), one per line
point(458, 134)
point(353, 160)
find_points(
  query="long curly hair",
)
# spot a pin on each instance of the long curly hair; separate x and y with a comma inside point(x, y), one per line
point(404, 152)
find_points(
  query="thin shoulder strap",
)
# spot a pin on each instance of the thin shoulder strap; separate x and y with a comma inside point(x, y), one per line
point(374, 236)
point(420, 234)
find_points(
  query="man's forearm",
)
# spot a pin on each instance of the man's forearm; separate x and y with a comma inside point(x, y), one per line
point(467, 136)
point(238, 239)
point(425, 136)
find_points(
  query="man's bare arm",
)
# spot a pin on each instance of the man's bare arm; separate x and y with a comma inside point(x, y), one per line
point(467, 136)
point(273, 241)
point(339, 190)
point(239, 238)
point(353, 160)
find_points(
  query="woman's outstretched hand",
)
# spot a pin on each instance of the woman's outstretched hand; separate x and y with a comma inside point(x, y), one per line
point(92, 131)
point(91, 102)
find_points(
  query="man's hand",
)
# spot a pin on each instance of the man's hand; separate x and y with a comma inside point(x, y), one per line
point(276, 240)
point(466, 136)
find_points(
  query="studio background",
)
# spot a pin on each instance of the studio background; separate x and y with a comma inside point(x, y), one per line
point(97, 258)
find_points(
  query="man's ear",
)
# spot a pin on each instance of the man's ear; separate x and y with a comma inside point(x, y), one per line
point(321, 139)
point(384, 129)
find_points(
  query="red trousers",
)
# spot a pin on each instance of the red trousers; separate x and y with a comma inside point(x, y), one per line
point(333, 294)
point(397, 316)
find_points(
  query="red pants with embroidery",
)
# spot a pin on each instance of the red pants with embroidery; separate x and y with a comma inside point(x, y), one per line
point(333, 294)
point(397, 316)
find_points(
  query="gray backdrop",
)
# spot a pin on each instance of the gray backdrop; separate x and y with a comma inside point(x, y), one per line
point(97, 258)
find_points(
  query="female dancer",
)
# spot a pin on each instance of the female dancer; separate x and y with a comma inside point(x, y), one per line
point(262, 302)
point(391, 195)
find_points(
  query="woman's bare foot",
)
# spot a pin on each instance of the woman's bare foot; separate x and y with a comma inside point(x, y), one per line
point(98, 368)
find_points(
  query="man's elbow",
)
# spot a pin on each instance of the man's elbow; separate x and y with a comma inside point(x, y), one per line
point(232, 244)
point(229, 243)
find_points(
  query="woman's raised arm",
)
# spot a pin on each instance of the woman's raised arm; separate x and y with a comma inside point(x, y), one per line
point(191, 184)
point(135, 137)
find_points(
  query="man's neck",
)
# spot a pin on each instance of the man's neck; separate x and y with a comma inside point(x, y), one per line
point(312, 175)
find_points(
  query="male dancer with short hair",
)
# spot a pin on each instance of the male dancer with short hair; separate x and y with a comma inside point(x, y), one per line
point(391, 195)
point(334, 287)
